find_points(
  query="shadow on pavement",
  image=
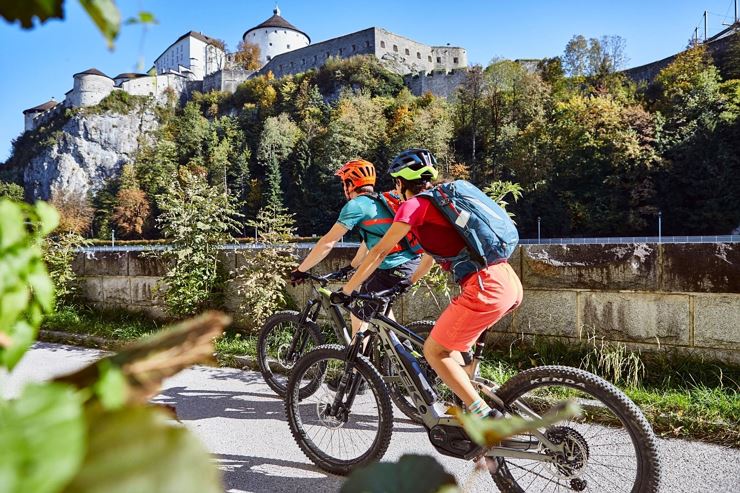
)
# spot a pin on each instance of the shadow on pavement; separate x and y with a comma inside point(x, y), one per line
point(244, 473)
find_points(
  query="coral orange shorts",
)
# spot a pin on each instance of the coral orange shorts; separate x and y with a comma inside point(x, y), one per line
point(476, 309)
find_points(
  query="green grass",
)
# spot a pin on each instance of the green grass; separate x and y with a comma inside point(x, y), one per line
point(116, 325)
point(681, 396)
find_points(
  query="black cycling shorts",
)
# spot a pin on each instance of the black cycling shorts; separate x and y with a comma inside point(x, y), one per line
point(383, 279)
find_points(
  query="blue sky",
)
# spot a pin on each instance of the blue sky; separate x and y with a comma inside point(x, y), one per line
point(39, 64)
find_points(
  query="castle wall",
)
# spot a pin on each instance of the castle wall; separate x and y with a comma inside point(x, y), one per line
point(89, 90)
point(315, 55)
point(28, 121)
point(274, 41)
point(449, 57)
point(226, 80)
point(438, 83)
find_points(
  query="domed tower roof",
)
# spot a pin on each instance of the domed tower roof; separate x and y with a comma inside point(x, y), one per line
point(276, 21)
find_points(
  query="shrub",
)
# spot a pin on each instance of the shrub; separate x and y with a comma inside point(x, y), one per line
point(75, 213)
point(11, 191)
point(198, 218)
point(262, 278)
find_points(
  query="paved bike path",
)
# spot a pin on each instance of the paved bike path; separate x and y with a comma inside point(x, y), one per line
point(241, 422)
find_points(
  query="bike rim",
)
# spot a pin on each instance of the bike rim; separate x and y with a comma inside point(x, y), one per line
point(601, 453)
point(347, 436)
point(279, 356)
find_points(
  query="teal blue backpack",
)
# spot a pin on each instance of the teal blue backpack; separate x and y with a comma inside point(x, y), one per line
point(489, 233)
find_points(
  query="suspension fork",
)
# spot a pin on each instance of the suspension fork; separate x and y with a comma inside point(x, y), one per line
point(300, 337)
point(349, 384)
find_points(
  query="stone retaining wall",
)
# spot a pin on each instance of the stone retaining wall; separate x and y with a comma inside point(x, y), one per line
point(680, 296)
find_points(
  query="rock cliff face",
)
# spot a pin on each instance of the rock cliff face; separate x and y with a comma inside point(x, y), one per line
point(90, 149)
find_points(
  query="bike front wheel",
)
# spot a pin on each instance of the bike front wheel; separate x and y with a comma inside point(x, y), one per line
point(610, 448)
point(339, 432)
point(282, 341)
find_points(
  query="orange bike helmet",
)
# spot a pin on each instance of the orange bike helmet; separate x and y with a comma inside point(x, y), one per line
point(357, 173)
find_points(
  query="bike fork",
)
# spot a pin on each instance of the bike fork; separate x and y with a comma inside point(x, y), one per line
point(349, 383)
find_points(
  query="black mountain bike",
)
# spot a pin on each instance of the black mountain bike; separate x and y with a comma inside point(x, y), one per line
point(288, 335)
point(611, 447)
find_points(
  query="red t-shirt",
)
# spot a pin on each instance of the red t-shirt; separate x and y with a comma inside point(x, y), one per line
point(434, 232)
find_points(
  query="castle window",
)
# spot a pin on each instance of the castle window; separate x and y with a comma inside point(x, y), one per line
point(418, 55)
point(429, 58)
point(270, 44)
point(395, 48)
point(354, 48)
point(288, 46)
point(341, 51)
point(303, 61)
point(275, 31)
point(382, 44)
point(439, 59)
point(269, 58)
point(327, 54)
point(367, 44)
point(407, 51)
point(455, 60)
point(291, 64)
point(315, 58)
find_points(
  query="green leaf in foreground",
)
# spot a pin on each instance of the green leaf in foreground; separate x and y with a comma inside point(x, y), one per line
point(42, 439)
point(25, 11)
point(488, 432)
point(417, 473)
point(149, 455)
point(106, 16)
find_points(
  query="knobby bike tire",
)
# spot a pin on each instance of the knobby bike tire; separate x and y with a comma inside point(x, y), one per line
point(293, 317)
point(375, 385)
point(647, 478)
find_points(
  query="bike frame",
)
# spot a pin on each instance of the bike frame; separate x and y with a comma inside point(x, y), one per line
point(435, 413)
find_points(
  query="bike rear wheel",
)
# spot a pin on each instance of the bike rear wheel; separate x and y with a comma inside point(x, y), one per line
point(282, 341)
point(610, 448)
point(359, 432)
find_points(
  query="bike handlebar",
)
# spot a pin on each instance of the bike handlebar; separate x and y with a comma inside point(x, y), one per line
point(325, 279)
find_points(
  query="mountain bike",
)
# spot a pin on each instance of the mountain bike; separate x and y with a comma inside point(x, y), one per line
point(288, 335)
point(610, 447)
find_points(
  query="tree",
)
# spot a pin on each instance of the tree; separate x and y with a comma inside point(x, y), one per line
point(75, 213)
point(247, 55)
point(576, 56)
point(278, 138)
point(595, 56)
point(131, 211)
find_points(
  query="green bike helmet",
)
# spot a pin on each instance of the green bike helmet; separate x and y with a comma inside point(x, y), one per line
point(414, 164)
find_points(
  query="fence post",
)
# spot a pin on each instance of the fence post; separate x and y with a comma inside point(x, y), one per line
point(539, 237)
point(112, 237)
point(660, 227)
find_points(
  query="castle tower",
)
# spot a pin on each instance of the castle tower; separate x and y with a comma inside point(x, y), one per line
point(276, 36)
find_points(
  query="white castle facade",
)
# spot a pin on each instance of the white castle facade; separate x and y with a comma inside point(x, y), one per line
point(198, 62)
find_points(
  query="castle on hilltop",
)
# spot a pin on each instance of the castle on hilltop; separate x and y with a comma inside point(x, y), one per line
point(196, 62)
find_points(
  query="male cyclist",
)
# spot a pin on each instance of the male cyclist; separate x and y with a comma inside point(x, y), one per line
point(366, 213)
point(486, 295)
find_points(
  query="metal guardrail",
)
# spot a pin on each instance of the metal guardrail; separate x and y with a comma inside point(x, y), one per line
point(632, 239)
point(524, 241)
